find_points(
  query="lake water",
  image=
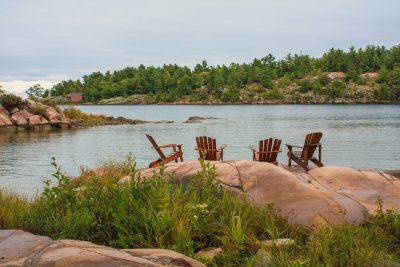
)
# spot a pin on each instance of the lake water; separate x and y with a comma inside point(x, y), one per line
point(364, 136)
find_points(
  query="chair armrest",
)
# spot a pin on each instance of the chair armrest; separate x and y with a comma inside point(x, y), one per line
point(222, 147)
point(290, 146)
point(168, 145)
point(269, 152)
point(197, 148)
point(318, 144)
point(253, 147)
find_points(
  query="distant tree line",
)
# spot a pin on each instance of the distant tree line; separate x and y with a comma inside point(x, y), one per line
point(222, 82)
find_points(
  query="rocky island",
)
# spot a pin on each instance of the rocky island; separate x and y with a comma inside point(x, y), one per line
point(29, 114)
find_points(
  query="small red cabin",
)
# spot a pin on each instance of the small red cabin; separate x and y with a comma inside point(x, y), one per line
point(76, 97)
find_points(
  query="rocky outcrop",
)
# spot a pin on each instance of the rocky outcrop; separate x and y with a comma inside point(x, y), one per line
point(209, 252)
point(55, 117)
point(133, 99)
point(32, 114)
point(21, 118)
point(36, 120)
point(198, 119)
point(323, 195)
point(370, 75)
point(19, 248)
point(37, 115)
point(5, 120)
point(336, 75)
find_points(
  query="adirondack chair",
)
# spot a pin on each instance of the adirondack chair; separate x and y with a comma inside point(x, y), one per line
point(302, 157)
point(267, 151)
point(176, 154)
point(208, 150)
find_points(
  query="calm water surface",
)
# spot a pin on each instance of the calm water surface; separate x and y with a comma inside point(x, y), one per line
point(365, 136)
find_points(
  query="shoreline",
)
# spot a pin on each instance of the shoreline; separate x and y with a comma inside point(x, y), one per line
point(233, 104)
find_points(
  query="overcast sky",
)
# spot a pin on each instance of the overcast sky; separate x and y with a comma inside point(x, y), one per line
point(47, 41)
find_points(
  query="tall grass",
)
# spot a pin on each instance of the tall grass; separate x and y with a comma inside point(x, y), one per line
point(88, 119)
point(189, 215)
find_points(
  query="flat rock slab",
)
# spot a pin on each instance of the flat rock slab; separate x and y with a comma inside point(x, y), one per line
point(19, 248)
point(323, 195)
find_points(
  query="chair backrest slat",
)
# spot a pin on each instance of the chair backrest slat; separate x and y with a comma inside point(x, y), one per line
point(269, 145)
point(276, 147)
point(207, 147)
point(155, 146)
point(310, 144)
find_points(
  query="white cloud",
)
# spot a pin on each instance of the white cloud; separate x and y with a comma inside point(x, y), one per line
point(19, 87)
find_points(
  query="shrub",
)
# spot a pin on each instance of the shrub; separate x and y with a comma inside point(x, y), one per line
point(305, 86)
point(362, 80)
point(336, 88)
point(11, 101)
point(88, 119)
point(38, 110)
point(382, 93)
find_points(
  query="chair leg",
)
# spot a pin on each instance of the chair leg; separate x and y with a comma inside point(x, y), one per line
point(317, 162)
point(290, 159)
point(174, 149)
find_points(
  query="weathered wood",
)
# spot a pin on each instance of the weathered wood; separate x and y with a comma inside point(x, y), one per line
point(312, 141)
point(268, 150)
point(177, 153)
point(207, 148)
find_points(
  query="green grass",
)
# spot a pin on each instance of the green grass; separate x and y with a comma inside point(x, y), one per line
point(187, 216)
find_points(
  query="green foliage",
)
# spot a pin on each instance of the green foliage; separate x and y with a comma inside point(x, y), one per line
point(335, 89)
point(226, 83)
point(12, 209)
point(189, 215)
point(362, 81)
point(230, 94)
point(88, 119)
point(383, 92)
point(305, 86)
point(11, 101)
point(36, 91)
point(38, 110)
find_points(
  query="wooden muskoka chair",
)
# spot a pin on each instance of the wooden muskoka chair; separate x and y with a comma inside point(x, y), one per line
point(267, 151)
point(208, 150)
point(302, 157)
point(176, 154)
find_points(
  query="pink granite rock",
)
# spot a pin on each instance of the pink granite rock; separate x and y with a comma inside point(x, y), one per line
point(5, 120)
point(20, 118)
point(54, 117)
point(209, 252)
point(323, 195)
point(361, 186)
point(336, 75)
point(19, 248)
point(37, 120)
